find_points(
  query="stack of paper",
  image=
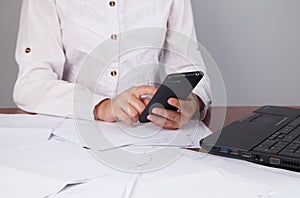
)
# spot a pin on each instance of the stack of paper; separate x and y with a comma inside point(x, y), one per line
point(22, 130)
point(30, 121)
point(284, 183)
point(48, 166)
point(112, 186)
point(187, 177)
point(112, 135)
point(12, 138)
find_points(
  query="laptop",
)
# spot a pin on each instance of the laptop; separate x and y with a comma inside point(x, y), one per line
point(268, 136)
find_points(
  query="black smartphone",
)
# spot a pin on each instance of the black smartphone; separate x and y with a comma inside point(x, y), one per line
point(178, 85)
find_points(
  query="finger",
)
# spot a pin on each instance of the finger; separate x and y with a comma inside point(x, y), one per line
point(128, 98)
point(123, 116)
point(174, 102)
point(163, 122)
point(169, 114)
point(146, 101)
point(137, 103)
point(144, 90)
point(187, 107)
point(131, 112)
point(190, 106)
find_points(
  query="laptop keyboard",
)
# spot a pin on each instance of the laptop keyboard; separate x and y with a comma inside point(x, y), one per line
point(286, 141)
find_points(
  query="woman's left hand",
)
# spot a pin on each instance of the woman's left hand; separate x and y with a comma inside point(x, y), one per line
point(169, 119)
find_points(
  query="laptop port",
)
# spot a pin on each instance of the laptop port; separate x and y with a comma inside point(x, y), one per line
point(274, 161)
point(234, 152)
point(246, 154)
point(258, 158)
point(223, 150)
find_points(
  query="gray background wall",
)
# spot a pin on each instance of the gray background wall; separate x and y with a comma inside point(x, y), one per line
point(255, 43)
point(9, 19)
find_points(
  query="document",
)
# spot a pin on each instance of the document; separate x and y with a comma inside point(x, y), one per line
point(283, 182)
point(278, 182)
point(197, 179)
point(55, 159)
point(15, 183)
point(112, 186)
point(50, 166)
point(204, 184)
point(30, 121)
point(12, 138)
point(119, 134)
point(186, 177)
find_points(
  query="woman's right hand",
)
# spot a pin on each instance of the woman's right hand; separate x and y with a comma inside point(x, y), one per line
point(126, 107)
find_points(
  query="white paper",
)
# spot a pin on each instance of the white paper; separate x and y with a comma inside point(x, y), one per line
point(112, 186)
point(119, 134)
point(204, 184)
point(12, 138)
point(29, 121)
point(283, 182)
point(187, 177)
point(55, 159)
point(16, 183)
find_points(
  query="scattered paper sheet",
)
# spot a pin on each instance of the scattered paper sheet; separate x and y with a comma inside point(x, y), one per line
point(172, 181)
point(283, 182)
point(119, 134)
point(17, 183)
point(55, 159)
point(196, 179)
point(112, 186)
point(12, 138)
point(204, 184)
point(54, 162)
point(30, 121)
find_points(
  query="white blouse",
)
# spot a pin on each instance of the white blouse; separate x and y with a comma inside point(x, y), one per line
point(72, 54)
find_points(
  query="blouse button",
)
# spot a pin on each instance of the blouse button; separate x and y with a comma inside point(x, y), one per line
point(114, 37)
point(112, 3)
point(27, 50)
point(113, 73)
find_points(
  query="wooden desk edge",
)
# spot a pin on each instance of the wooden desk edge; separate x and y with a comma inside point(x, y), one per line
point(12, 111)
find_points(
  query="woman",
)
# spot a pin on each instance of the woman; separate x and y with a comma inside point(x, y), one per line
point(56, 36)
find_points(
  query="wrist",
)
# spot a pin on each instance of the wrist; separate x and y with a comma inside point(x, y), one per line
point(200, 106)
point(103, 111)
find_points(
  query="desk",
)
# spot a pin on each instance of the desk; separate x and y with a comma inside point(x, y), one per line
point(11, 111)
point(233, 113)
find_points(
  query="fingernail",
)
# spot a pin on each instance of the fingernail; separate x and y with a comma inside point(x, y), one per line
point(149, 117)
point(156, 111)
point(171, 101)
